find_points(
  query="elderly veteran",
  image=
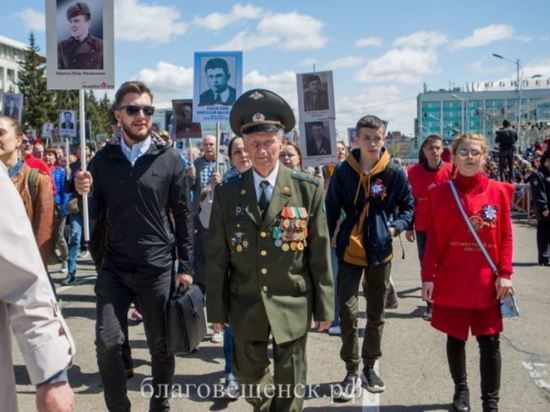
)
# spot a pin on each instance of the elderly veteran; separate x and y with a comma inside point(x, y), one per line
point(267, 264)
point(81, 51)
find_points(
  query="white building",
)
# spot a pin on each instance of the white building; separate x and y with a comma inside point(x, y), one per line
point(11, 53)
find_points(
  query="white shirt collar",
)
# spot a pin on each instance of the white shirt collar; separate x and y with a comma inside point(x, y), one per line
point(136, 151)
point(224, 96)
point(272, 179)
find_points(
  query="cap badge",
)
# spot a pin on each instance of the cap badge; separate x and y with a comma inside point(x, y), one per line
point(258, 117)
point(256, 95)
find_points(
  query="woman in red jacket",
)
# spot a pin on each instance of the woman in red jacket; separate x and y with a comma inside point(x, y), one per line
point(457, 277)
point(429, 172)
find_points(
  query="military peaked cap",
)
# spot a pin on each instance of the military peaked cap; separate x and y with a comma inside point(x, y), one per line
point(260, 110)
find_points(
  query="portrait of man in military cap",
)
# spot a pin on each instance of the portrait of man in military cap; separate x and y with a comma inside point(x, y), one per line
point(82, 50)
point(315, 93)
point(220, 91)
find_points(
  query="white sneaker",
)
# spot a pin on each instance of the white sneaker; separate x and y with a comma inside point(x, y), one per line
point(334, 330)
point(217, 337)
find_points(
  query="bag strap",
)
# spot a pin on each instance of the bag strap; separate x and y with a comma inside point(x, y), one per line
point(31, 184)
point(471, 227)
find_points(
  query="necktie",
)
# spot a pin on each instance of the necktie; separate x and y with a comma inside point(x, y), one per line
point(264, 202)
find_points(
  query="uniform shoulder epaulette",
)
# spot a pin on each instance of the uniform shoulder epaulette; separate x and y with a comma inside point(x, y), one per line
point(234, 178)
point(305, 177)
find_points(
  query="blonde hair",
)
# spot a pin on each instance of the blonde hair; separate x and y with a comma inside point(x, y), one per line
point(476, 137)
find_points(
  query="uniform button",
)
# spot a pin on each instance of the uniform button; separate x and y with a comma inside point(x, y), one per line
point(263, 234)
point(264, 288)
point(263, 253)
point(264, 271)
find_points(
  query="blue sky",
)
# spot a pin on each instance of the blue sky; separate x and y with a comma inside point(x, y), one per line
point(381, 52)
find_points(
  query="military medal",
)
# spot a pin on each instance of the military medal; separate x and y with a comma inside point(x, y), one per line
point(278, 243)
point(293, 245)
point(285, 247)
point(300, 246)
point(239, 248)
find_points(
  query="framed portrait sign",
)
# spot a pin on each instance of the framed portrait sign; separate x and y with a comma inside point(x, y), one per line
point(13, 106)
point(183, 113)
point(67, 123)
point(217, 84)
point(80, 44)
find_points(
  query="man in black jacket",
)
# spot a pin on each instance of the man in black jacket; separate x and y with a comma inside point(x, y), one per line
point(540, 189)
point(506, 138)
point(140, 185)
point(369, 188)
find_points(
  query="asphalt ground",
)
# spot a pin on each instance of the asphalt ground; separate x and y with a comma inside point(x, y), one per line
point(413, 365)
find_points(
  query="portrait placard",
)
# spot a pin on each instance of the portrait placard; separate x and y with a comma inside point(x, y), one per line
point(217, 84)
point(13, 106)
point(80, 44)
point(183, 112)
point(67, 123)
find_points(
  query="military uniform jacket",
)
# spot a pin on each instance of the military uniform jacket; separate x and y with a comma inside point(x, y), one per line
point(75, 55)
point(251, 281)
point(27, 303)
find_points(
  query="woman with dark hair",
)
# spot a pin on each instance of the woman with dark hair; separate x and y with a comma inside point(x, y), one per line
point(430, 171)
point(540, 188)
point(467, 266)
point(60, 200)
point(291, 156)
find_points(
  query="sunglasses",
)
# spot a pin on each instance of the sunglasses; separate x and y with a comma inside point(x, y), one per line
point(134, 109)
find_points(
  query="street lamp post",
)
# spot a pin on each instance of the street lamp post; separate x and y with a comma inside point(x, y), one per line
point(464, 103)
point(517, 62)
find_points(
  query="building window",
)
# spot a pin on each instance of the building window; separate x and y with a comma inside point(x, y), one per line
point(11, 75)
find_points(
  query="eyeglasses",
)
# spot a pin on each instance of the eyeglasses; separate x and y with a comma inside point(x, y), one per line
point(465, 152)
point(134, 109)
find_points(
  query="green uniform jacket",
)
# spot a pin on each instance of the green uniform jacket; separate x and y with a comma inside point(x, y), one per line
point(76, 55)
point(253, 283)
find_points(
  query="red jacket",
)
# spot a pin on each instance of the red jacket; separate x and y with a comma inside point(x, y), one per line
point(421, 180)
point(452, 260)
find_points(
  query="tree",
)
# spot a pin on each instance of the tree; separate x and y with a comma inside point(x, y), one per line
point(38, 102)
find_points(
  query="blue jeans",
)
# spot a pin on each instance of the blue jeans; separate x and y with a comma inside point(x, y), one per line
point(227, 349)
point(75, 220)
point(334, 262)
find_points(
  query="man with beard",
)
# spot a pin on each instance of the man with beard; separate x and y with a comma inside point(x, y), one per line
point(140, 242)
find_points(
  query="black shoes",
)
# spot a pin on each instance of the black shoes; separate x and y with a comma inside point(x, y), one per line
point(372, 381)
point(69, 280)
point(461, 400)
point(349, 387)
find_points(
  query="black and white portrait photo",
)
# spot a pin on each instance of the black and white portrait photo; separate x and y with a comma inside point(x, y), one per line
point(13, 106)
point(218, 77)
point(80, 35)
point(67, 123)
point(315, 93)
point(318, 138)
point(183, 111)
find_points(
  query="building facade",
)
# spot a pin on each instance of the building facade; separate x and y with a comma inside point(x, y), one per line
point(451, 112)
point(11, 53)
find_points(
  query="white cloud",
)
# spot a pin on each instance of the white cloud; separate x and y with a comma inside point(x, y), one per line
point(308, 62)
point(345, 62)
point(481, 67)
point(217, 21)
point(283, 83)
point(33, 20)
point(168, 82)
point(399, 65)
point(421, 39)
point(368, 41)
point(137, 21)
point(290, 31)
point(387, 102)
point(245, 41)
point(485, 35)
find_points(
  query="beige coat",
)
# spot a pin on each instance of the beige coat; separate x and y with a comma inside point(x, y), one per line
point(27, 303)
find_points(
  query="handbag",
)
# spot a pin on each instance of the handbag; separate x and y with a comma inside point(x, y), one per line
point(508, 305)
point(185, 320)
point(355, 252)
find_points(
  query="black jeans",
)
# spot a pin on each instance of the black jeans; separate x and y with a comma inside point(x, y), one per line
point(543, 241)
point(506, 160)
point(116, 287)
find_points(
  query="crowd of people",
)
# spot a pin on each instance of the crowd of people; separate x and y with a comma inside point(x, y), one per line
point(274, 245)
